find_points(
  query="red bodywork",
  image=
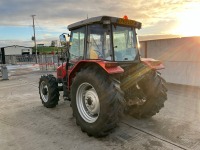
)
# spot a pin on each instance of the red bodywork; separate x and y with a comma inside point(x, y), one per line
point(152, 63)
point(109, 67)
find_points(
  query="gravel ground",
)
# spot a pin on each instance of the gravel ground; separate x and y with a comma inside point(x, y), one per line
point(26, 124)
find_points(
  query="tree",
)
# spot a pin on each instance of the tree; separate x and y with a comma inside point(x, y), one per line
point(53, 43)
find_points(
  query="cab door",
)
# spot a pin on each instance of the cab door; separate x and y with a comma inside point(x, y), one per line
point(77, 45)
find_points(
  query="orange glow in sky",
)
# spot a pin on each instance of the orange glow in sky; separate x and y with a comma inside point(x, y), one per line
point(188, 21)
point(160, 18)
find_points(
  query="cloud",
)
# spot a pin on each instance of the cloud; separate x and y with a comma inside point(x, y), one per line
point(53, 17)
point(64, 12)
point(4, 43)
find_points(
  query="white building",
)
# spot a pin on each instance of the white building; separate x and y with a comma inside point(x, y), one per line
point(181, 57)
point(16, 50)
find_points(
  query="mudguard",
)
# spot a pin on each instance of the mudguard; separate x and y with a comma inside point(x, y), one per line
point(152, 63)
point(109, 67)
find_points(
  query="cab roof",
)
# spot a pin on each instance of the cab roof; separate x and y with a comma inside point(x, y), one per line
point(100, 19)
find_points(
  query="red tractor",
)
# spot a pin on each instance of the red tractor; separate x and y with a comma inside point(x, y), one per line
point(103, 75)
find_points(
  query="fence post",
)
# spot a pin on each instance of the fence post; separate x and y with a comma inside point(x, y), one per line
point(46, 60)
point(4, 72)
point(42, 62)
point(54, 62)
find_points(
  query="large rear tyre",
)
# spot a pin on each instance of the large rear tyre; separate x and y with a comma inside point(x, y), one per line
point(48, 90)
point(97, 102)
point(154, 90)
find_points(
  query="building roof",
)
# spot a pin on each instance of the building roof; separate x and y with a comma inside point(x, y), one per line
point(15, 46)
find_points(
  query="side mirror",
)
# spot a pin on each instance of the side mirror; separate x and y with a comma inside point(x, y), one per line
point(64, 38)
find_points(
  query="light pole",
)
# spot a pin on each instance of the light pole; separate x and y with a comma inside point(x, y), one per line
point(34, 38)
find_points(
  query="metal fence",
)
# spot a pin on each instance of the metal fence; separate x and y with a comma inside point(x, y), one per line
point(20, 59)
point(48, 62)
point(45, 62)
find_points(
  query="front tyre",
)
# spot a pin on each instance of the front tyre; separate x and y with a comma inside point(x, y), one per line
point(96, 102)
point(48, 90)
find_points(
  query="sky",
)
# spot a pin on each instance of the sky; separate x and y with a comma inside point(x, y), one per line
point(160, 18)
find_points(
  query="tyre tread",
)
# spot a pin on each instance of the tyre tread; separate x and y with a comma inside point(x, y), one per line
point(114, 99)
point(53, 90)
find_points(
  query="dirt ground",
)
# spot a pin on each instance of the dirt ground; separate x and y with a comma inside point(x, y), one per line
point(26, 125)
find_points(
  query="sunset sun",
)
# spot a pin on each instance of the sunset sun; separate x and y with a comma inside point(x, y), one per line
point(188, 21)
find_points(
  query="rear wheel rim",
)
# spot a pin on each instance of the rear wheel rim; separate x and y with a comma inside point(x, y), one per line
point(44, 91)
point(87, 102)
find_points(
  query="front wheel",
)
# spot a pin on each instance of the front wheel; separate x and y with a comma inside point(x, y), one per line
point(96, 102)
point(48, 90)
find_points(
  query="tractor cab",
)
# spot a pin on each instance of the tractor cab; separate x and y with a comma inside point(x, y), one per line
point(104, 38)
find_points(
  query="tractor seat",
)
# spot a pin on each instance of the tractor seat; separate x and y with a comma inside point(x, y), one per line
point(93, 54)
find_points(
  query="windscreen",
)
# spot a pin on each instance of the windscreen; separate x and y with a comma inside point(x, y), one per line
point(124, 43)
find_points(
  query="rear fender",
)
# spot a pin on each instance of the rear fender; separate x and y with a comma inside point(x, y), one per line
point(108, 67)
point(152, 63)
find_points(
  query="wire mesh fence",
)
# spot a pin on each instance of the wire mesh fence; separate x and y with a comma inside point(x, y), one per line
point(45, 62)
point(48, 62)
point(20, 59)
